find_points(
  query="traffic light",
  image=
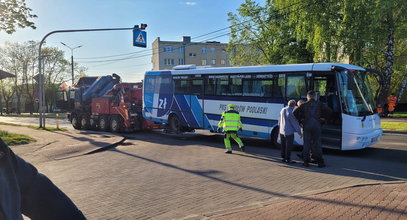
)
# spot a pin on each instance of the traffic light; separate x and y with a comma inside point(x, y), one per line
point(143, 26)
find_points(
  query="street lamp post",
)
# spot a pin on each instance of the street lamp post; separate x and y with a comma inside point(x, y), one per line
point(72, 48)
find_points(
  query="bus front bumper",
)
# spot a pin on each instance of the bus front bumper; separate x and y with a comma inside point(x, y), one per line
point(351, 141)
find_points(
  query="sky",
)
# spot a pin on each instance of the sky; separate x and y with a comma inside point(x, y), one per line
point(167, 19)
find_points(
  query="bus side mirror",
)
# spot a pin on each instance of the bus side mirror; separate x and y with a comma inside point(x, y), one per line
point(379, 76)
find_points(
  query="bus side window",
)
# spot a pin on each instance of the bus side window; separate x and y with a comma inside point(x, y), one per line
point(181, 86)
point(278, 86)
point(197, 86)
point(236, 87)
point(222, 86)
point(296, 88)
point(224, 90)
point(266, 88)
point(209, 86)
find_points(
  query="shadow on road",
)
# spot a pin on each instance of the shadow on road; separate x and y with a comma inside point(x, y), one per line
point(88, 138)
point(372, 163)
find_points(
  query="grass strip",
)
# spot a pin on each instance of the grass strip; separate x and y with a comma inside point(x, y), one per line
point(390, 125)
point(400, 115)
point(13, 139)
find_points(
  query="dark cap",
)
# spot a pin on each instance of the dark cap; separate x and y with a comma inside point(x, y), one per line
point(311, 93)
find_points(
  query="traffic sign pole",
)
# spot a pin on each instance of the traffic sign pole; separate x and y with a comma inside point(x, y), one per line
point(41, 74)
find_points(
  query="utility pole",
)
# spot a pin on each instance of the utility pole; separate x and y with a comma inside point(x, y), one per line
point(41, 74)
point(72, 64)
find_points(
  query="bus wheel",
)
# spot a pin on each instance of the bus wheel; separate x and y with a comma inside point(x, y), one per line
point(85, 122)
point(103, 123)
point(116, 124)
point(175, 124)
point(274, 137)
point(75, 122)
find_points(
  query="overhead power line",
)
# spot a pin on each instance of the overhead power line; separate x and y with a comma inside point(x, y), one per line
point(149, 52)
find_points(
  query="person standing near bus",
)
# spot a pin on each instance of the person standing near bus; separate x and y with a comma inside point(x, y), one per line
point(310, 113)
point(231, 124)
point(288, 124)
point(392, 100)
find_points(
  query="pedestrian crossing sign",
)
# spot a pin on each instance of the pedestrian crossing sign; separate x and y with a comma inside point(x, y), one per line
point(139, 38)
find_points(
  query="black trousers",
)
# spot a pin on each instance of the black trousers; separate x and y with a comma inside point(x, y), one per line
point(286, 146)
point(312, 141)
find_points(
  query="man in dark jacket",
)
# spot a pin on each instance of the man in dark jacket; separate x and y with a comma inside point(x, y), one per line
point(310, 113)
point(25, 191)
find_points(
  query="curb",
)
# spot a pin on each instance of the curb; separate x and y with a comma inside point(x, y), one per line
point(93, 151)
point(282, 199)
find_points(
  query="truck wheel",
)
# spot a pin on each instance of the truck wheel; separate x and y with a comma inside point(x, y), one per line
point(85, 122)
point(92, 124)
point(116, 124)
point(75, 122)
point(174, 124)
point(274, 137)
point(104, 123)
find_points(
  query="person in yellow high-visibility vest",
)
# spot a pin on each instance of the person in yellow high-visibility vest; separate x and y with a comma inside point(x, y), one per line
point(231, 124)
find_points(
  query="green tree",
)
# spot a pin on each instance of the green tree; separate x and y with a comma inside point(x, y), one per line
point(15, 13)
point(21, 59)
point(390, 25)
point(316, 22)
point(7, 93)
point(368, 33)
point(261, 35)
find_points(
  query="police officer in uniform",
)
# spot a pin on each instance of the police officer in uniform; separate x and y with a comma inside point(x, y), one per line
point(310, 113)
point(230, 123)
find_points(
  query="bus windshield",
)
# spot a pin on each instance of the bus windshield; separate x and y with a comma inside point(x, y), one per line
point(356, 93)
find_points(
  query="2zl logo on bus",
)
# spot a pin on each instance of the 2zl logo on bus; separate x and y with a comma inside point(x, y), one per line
point(162, 103)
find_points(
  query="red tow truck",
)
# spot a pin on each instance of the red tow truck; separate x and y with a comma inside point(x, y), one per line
point(105, 103)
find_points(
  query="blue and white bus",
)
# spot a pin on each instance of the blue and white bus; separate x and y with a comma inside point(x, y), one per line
point(188, 98)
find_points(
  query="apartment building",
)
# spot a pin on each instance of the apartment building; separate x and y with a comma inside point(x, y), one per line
point(167, 54)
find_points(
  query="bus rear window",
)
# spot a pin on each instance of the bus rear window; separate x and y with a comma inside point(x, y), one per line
point(149, 83)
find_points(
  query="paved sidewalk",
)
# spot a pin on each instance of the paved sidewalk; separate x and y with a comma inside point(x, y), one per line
point(157, 176)
point(378, 201)
point(56, 145)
